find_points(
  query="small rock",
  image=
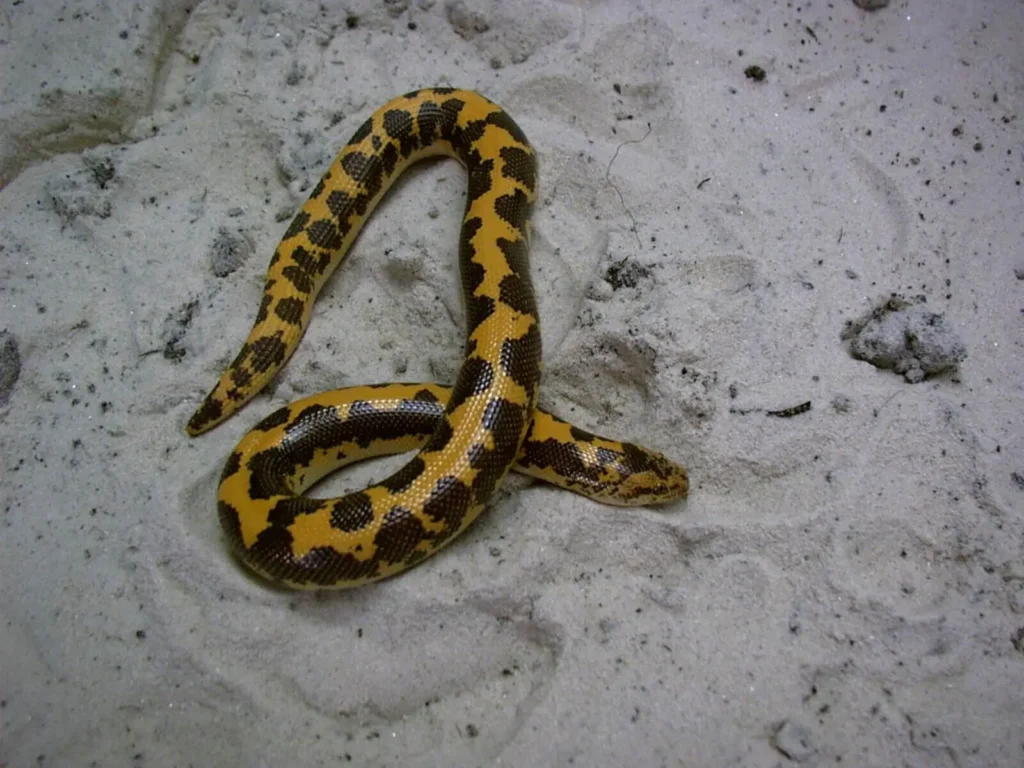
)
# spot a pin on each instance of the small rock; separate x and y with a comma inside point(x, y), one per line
point(871, 5)
point(842, 404)
point(904, 336)
point(228, 253)
point(794, 741)
point(466, 23)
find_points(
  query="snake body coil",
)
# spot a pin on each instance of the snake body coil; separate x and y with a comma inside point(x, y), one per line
point(468, 436)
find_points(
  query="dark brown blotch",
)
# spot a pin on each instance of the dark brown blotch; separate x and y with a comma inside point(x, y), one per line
point(285, 511)
point(268, 297)
point(268, 474)
point(519, 164)
point(517, 293)
point(425, 395)
point(362, 132)
point(507, 423)
point(240, 377)
point(267, 352)
point(324, 233)
point(503, 120)
point(340, 204)
point(389, 158)
point(273, 420)
point(513, 208)
point(231, 466)
point(400, 533)
point(404, 477)
point(290, 310)
point(365, 170)
point(479, 182)
point(471, 276)
point(441, 437)
point(398, 124)
point(210, 411)
point(520, 359)
point(231, 524)
point(517, 255)
point(475, 377)
point(307, 267)
point(297, 226)
point(449, 500)
point(551, 453)
point(352, 513)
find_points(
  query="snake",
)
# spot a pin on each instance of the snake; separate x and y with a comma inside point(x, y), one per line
point(467, 436)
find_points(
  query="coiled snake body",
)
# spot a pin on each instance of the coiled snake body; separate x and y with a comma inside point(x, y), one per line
point(468, 436)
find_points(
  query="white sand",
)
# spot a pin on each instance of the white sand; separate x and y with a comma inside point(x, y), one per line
point(843, 587)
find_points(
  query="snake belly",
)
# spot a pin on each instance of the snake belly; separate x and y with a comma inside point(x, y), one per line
point(470, 436)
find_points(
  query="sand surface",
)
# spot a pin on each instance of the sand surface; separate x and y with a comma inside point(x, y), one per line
point(845, 584)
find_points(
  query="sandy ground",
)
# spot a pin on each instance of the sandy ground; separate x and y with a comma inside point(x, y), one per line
point(845, 584)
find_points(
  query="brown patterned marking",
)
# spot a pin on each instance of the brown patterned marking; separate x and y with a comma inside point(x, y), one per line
point(418, 406)
point(273, 420)
point(425, 395)
point(231, 524)
point(361, 133)
point(324, 233)
point(514, 208)
point(306, 268)
point(352, 513)
point(290, 310)
point(449, 124)
point(265, 302)
point(267, 351)
point(399, 534)
point(298, 225)
point(517, 356)
point(320, 186)
point(503, 120)
point(209, 412)
point(514, 292)
point(478, 308)
point(441, 437)
point(398, 124)
point(323, 566)
point(340, 204)
point(552, 454)
point(241, 378)
point(480, 179)
point(232, 465)
point(389, 159)
point(506, 422)
point(471, 276)
point(448, 502)
point(268, 474)
point(519, 165)
point(406, 476)
point(579, 434)
point(428, 121)
point(286, 510)
point(517, 256)
point(365, 170)
point(475, 377)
